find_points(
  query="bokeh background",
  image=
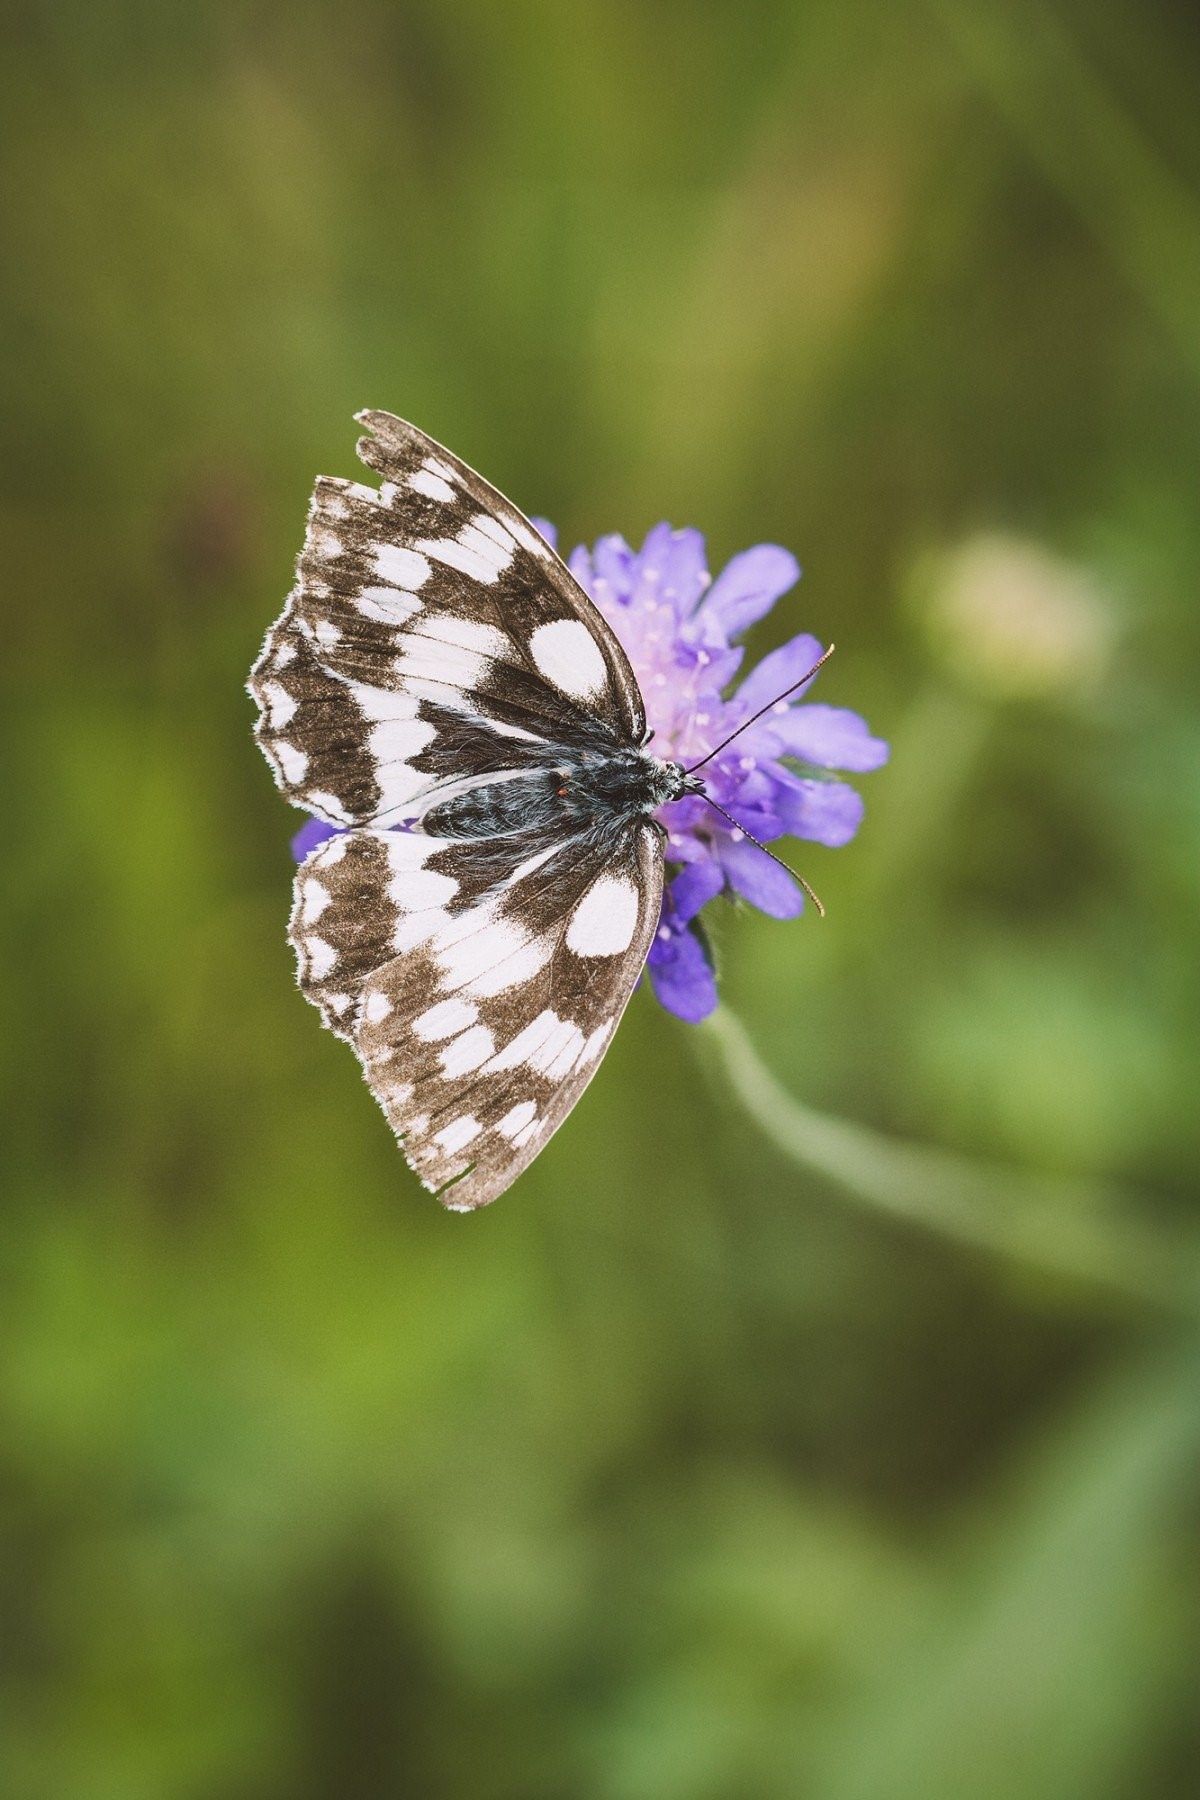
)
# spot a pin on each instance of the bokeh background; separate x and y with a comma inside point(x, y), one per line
point(819, 1417)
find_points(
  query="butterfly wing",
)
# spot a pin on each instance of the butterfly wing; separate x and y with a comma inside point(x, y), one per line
point(479, 982)
point(431, 632)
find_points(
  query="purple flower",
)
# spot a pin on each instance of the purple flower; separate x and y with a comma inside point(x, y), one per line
point(776, 778)
point(677, 628)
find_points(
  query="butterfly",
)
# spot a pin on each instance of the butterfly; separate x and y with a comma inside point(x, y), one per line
point(441, 689)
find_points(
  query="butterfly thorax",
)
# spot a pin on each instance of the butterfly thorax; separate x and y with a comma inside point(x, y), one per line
point(581, 790)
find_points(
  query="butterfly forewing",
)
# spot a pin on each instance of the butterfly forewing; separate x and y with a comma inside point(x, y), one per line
point(431, 613)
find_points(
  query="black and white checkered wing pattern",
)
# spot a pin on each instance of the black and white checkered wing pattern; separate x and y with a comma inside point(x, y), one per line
point(478, 983)
point(431, 631)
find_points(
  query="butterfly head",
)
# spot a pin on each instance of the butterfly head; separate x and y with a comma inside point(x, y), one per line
point(671, 781)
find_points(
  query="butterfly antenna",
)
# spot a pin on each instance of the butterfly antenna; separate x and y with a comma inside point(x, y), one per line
point(759, 845)
point(746, 723)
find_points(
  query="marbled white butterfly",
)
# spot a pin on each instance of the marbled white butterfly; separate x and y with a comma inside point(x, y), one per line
point(441, 688)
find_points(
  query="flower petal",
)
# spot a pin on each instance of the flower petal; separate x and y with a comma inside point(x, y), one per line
point(759, 879)
point(546, 530)
point(757, 821)
point(681, 976)
point(614, 567)
point(827, 812)
point(310, 834)
point(671, 569)
point(748, 587)
point(698, 883)
point(719, 661)
point(829, 737)
point(777, 672)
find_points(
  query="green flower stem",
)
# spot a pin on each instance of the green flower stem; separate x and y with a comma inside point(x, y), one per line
point(1064, 1228)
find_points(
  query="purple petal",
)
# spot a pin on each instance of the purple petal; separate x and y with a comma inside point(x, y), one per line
point(671, 570)
point(720, 662)
point(829, 737)
point(683, 847)
point(685, 572)
point(684, 815)
point(681, 977)
point(749, 585)
point(699, 883)
point(757, 821)
point(546, 530)
point(777, 672)
point(827, 812)
point(310, 834)
point(760, 880)
point(614, 566)
point(757, 786)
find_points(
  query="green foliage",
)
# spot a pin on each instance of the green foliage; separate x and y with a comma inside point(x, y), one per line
point(675, 1476)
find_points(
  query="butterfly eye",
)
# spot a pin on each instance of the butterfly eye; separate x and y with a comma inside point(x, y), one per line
point(562, 791)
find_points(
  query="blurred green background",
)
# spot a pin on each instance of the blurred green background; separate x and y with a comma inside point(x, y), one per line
point(844, 1448)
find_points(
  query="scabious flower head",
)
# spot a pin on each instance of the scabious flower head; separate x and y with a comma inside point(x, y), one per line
point(678, 627)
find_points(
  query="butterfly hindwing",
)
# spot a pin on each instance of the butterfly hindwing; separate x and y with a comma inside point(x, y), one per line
point(431, 628)
point(500, 970)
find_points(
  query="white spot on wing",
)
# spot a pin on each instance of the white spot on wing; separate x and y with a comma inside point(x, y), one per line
point(521, 965)
point(556, 1055)
point(402, 567)
point(467, 1052)
point(527, 1043)
point(314, 898)
point(378, 1007)
point(281, 705)
point(418, 928)
point(445, 1020)
point(458, 1135)
point(430, 659)
point(378, 704)
point(321, 957)
point(293, 762)
point(596, 1042)
point(605, 920)
point(467, 634)
point(499, 534)
point(329, 804)
point(431, 485)
point(517, 1119)
point(468, 955)
point(387, 605)
point(529, 539)
point(567, 655)
point(482, 549)
point(417, 889)
point(410, 849)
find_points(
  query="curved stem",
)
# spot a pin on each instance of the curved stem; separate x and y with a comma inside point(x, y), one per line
point(1066, 1228)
